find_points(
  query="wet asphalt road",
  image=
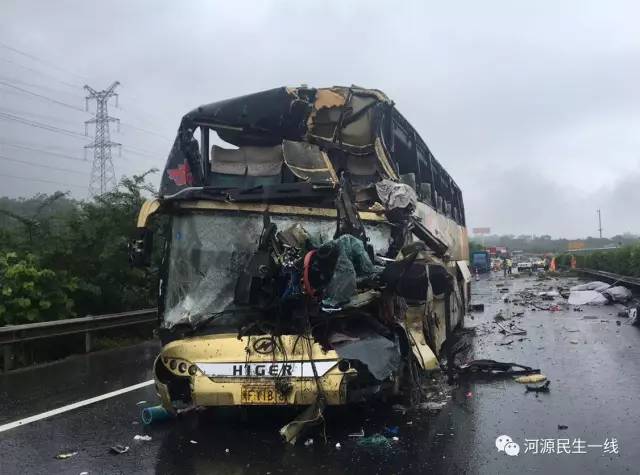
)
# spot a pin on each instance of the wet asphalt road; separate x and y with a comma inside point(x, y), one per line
point(593, 365)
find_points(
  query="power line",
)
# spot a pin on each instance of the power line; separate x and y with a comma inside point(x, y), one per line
point(40, 60)
point(40, 150)
point(157, 134)
point(142, 153)
point(41, 181)
point(36, 116)
point(41, 125)
point(40, 165)
point(42, 96)
point(39, 86)
point(37, 71)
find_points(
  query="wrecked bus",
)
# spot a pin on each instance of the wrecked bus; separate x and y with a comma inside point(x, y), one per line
point(317, 258)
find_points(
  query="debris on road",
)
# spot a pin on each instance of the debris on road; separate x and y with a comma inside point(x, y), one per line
point(140, 403)
point(119, 449)
point(587, 297)
point(598, 293)
point(495, 367)
point(562, 427)
point(375, 441)
point(595, 285)
point(145, 438)
point(432, 406)
point(308, 442)
point(66, 455)
point(477, 307)
point(357, 434)
point(618, 294)
point(512, 330)
point(532, 378)
point(539, 389)
point(193, 441)
point(338, 446)
point(505, 343)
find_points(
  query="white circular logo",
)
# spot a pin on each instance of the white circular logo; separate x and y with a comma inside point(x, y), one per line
point(512, 449)
point(502, 441)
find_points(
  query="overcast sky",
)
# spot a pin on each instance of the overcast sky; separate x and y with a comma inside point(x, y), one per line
point(532, 107)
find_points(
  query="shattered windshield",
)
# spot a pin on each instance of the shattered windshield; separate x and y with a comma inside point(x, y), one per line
point(209, 251)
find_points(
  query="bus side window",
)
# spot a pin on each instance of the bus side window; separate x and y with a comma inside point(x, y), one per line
point(404, 151)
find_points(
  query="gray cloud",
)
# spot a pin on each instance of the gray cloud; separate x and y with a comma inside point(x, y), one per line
point(531, 107)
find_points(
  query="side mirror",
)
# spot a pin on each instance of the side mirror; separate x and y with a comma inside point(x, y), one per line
point(140, 248)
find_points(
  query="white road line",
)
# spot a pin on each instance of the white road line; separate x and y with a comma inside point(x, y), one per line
point(75, 405)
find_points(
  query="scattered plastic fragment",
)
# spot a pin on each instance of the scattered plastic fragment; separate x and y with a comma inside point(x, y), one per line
point(140, 403)
point(395, 439)
point(226, 451)
point(308, 442)
point(375, 441)
point(432, 405)
point(119, 449)
point(532, 378)
point(574, 342)
point(357, 434)
point(193, 441)
point(338, 446)
point(562, 427)
point(66, 455)
point(84, 473)
point(146, 438)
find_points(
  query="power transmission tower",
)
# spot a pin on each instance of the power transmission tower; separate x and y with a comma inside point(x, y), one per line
point(103, 177)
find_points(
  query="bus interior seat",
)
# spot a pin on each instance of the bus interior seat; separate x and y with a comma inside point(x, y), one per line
point(246, 166)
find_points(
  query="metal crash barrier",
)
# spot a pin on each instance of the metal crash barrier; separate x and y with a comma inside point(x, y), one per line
point(11, 334)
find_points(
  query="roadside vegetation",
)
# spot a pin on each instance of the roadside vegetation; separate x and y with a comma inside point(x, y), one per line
point(61, 258)
point(624, 260)
point(545, 243)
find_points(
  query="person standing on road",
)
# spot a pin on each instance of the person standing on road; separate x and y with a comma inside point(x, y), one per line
point(509, 265)
point(504, 266)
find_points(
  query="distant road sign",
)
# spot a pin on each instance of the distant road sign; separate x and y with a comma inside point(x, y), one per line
point(481, 230)
point(576, 245)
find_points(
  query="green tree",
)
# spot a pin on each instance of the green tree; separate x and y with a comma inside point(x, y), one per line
point(30, 293)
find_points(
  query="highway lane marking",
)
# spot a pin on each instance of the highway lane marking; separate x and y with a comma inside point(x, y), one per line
point(75, 405)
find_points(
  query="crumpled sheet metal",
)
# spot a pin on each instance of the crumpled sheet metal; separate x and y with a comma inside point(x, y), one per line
point(396, 195)
point(308, 162)
point(379, 354)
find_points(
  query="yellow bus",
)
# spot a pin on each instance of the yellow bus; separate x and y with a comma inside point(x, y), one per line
point(315, 254)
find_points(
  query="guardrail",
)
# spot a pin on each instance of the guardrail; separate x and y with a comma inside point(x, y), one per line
point(11, 334)
point(633, 281)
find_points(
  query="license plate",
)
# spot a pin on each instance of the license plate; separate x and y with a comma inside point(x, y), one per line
point(261, 395)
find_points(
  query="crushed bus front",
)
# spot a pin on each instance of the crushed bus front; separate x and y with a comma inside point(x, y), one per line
point(321, 260)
